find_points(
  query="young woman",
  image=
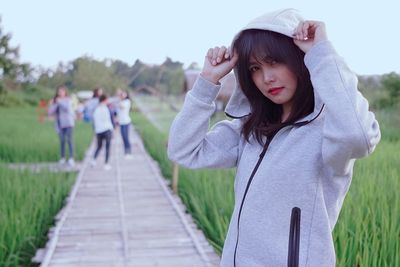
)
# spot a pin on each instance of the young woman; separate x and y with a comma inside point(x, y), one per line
point(91, 104)
point(299, 124)
point(64, 122)
point(124, 120)
point(103, 127)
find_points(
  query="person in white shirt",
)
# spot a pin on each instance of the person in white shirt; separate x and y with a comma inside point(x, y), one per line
point(124, 121)
point(103, 127)
point(91, 104)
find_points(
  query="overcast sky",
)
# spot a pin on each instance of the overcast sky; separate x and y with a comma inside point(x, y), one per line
point(365, 33)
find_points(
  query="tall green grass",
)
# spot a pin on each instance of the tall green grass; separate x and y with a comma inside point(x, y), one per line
point(24, 139)
point(367, 233)
point(389, 119)
point(28, 205)
point(29, 201)
point(368, 230)
point(159, 110)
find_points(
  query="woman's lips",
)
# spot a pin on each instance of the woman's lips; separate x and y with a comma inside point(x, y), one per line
point(275, 90)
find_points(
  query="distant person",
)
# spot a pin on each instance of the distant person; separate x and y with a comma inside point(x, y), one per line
point(299, 124)
point(61, 107)
point(42, 109)
point(91, 104)
point(113, 103)
point(103, 127)
point(124, 121)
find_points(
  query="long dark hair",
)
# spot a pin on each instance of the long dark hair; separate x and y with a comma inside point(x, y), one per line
point(59, 88)
point(264, 46)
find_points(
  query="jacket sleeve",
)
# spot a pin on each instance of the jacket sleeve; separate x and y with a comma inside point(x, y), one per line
point(191, 143)
point(52, 109)
point(350, 129)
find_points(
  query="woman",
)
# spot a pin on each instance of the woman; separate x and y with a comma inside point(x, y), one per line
point(124, 121)
point(103, 127)
point(299, 124)
point(64, 122)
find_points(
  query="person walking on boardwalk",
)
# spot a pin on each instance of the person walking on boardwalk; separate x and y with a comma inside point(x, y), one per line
point(103, 127)
point(124, 121)
point(299, 123)
point(64, 121)
point(91, 104)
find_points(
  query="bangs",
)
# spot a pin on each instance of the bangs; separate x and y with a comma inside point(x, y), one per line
point(264, 46)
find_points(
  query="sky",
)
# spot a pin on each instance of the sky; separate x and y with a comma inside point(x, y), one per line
point(365, 33)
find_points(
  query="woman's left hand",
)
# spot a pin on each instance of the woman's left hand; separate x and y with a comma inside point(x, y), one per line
point(308, 33)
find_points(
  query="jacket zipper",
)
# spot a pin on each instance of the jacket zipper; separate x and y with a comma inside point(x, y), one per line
point(268, 142)
point(294, 238)
point(245, 193)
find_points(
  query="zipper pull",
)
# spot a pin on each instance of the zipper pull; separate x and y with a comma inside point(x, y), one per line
point(294, 238)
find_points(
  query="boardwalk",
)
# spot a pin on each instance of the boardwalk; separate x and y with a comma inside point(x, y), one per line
point(124, 217)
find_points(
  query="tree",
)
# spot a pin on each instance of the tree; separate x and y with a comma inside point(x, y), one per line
point(390, 88)
point(53, 78)
point(10, 68)
point(194, 66)
point(89, 73)
point(391, 84)
point(173, 77)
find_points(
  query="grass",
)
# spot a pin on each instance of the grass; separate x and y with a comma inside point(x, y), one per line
point(28, 204)
point(389, 119)
point(29, 201)
point(367, 232)
point(24, 139)
point(159, 111)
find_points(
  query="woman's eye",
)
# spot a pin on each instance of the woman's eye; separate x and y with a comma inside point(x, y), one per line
point(254, 68)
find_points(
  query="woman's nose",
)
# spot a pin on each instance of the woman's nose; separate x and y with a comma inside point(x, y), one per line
point(269, 76)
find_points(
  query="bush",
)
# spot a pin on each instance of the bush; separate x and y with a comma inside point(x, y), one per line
point(11, 99)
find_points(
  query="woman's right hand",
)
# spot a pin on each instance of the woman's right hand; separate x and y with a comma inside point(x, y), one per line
point(218, 62)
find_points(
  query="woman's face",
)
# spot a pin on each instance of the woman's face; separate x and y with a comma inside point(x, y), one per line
point(62, 92)
point(122, 95)
point(275, 81)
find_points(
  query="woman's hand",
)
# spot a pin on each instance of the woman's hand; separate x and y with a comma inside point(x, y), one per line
point(53, 100)
point(308, 33)
point(218, 62)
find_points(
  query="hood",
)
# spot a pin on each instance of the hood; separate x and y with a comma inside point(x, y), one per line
point(283, 21)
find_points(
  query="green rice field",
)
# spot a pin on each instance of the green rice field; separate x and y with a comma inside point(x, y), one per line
point(29, 201)
point(28, 205)
point(24, 139)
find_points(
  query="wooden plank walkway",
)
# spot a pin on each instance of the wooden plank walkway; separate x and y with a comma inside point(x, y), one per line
point(126, 216)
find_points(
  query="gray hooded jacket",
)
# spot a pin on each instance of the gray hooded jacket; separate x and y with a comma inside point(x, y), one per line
point(307, 165)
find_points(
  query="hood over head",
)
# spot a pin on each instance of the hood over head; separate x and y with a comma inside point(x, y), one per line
point(282, 21)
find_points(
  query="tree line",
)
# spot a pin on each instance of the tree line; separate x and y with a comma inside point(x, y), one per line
point(86, 73)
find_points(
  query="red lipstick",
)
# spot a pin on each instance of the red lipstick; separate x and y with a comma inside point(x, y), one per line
point(275, 90)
